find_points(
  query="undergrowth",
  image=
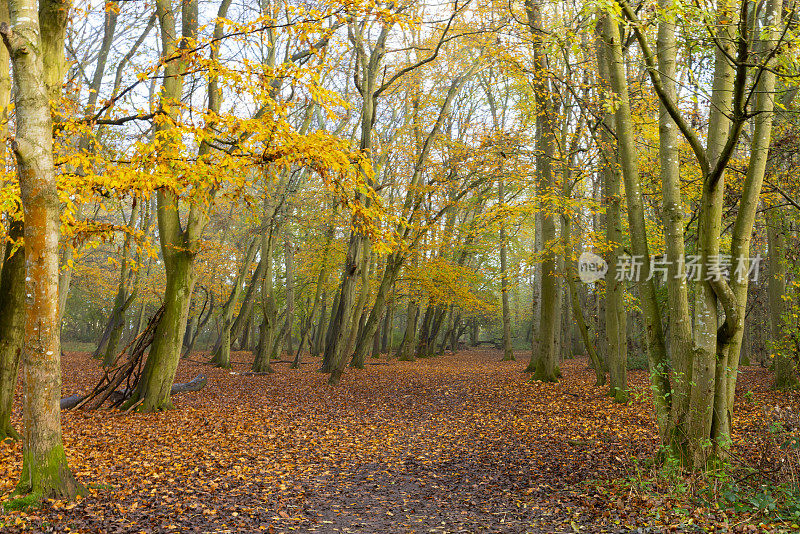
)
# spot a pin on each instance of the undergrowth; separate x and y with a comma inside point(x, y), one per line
point(760, 488)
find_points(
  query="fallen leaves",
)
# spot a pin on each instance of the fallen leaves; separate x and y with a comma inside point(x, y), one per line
point(456, 443)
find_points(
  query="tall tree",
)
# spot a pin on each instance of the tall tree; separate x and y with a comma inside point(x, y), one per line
point(544, 359)
point(179, 241)
point(12, 273)
point(35, 40)
point(699, 397)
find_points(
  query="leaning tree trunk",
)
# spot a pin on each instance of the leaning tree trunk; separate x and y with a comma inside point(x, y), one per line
point(12, 274)
point(38, 67)
point(12, 325)
point(122, 301)
point(577, 313)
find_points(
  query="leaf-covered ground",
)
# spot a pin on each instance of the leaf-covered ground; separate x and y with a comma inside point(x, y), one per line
point(459, 443)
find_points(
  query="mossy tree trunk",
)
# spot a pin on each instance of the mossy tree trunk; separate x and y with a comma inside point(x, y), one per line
point(12, 325)
point(12, 273)
point(785, 371)
point(544, 361)
point(35, 40)
point(179, 241)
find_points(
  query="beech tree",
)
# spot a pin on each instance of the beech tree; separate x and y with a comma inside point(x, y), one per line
point(35, 40)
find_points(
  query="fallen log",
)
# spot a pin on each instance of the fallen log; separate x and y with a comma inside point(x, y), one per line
point(195, 384)
point(67, 403)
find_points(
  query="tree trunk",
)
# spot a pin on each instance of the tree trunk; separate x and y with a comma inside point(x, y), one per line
point(122, 301)
point(508, 351)
point(668, 407)
point(288, 249)
point(577, 313)
point(38, 67)
point(269, 312)
point(545, 369)
point(12, 323)
point(388, 331)
point(405, 353)
point(222, 356)
point(616, 316)
point(179, 240)
point(12, 273)
point(785, 371)
point(159, 370)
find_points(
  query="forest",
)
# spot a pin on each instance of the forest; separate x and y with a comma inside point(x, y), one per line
point(399, 266)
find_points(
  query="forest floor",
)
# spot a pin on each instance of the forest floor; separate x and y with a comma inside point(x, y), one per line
point(458, 443)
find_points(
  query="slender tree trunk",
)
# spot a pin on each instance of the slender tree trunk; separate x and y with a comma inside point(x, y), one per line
point(544, 361)
point(536, 295)
point(508, 351)
point(616, 316)
point(629, 162)
point(743, 230)
point(668, 407)
point(86, 143)
point(12, 324)
point(318, 306)
point(288, 248)
point(122, 301)
point(577, 313)
point(386, 342)
point(222, 356)
point(202, 321)
point(405, 352)
point(261, 360)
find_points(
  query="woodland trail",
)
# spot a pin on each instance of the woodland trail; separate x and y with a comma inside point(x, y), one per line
point(458, 443)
